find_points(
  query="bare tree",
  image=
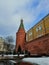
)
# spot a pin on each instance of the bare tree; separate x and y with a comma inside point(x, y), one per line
point(9, 39)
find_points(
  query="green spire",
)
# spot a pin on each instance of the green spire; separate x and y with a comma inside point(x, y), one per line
point(21, 24)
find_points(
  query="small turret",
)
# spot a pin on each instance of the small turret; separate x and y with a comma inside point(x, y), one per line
point(20, 38)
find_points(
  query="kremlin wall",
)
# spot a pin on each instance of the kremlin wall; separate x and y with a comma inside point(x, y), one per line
point(35, 40)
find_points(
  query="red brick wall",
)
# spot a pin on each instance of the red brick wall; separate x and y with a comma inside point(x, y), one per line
point(20, 39)
point(38, 46)
point(24, 63)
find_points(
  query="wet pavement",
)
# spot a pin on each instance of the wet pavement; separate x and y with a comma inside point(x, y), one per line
point(27, 61)
point(20, 63)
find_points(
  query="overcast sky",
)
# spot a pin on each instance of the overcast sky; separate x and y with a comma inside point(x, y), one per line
point(12, 11)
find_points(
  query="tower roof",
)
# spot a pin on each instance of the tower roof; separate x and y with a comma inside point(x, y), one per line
point(21, 24)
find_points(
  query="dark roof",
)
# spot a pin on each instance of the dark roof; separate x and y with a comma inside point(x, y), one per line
point(21, 24)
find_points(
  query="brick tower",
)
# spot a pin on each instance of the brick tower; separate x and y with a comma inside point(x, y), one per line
point(20, 38)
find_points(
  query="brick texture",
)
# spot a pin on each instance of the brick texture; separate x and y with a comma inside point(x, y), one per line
point(20, 39)
point(38, 46)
